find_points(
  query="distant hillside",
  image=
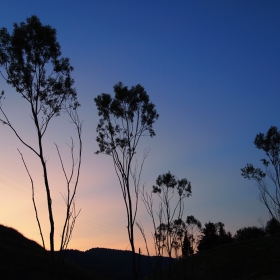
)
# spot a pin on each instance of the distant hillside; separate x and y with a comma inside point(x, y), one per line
point(254, 259)
point(21, 258)
point(113, 264)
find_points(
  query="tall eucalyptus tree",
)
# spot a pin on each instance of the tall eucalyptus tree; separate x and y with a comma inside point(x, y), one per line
point(124, 119)
point(31, 62)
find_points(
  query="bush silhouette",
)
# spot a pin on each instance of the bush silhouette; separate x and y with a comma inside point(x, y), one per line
point(249, 233)
point(272, 226)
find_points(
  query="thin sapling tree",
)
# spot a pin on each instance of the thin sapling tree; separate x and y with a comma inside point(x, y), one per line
point(168, 224)
point(124, 120)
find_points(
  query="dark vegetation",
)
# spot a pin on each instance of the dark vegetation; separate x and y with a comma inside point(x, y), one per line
point(213, 235)
point(255, 258)
point(249, 255)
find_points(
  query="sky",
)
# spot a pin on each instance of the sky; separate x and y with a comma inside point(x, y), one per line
point(212, 70)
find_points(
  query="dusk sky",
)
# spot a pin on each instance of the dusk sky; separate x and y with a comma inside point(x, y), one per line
point(212, 69)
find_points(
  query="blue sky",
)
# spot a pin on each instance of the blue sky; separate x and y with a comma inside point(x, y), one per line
point(212, 70)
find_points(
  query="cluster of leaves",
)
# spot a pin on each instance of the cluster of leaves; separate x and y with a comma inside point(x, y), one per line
point(26, 54)
point(168, 182)
point(124, 119)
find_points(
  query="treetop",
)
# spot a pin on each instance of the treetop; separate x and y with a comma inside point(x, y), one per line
point(124, 118)
point(31, 58)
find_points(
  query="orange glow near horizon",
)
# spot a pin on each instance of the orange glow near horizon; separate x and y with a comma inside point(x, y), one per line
point(93, 228)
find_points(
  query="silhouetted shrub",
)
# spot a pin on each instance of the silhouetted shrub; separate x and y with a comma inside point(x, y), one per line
point(249, 233)
point(187, 249)
point(272, 226)
point(213, 235)
point(209, 237)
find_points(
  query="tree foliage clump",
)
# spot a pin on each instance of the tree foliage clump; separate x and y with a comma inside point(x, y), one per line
point(124, 119)
point(213, 235)
point(249, 233)
point(269, 193)
point(272, 226)
point(26, 55)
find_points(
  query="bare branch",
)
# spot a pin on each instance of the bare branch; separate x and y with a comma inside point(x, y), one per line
point(7, 122)
point(33, 200)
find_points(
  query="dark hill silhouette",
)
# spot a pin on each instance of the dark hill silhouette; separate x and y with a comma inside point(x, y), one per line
point(113, 264)
point(21, 258)
point(259, 258)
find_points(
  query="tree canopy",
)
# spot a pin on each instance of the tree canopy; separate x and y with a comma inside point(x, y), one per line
point(249, 233)
point(124, 119)
point(33, 65)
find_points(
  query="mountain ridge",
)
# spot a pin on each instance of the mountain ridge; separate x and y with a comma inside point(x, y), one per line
point(23, 258)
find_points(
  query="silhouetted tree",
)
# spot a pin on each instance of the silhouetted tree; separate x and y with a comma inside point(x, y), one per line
point(187, 249)
point(33, 66)
point(168, 235)
point(193, 227)
point(124, 119)
point(224, 237)
point(249, 233)
point(272, 226)
point(269, 194)
point(213, 235)
point(209, 237)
